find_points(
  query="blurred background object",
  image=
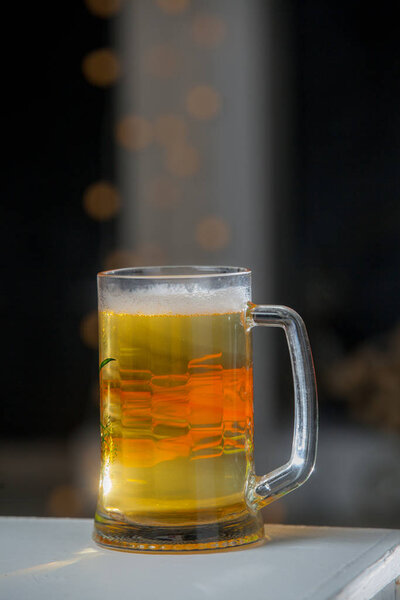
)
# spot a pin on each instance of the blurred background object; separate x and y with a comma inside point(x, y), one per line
point(261, 134)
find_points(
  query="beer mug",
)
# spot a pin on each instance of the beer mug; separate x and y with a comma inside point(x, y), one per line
point(176, 387)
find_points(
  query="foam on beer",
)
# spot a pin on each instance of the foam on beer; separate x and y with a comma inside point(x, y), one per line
point(162, 299)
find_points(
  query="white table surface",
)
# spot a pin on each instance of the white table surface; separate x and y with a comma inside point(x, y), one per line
point(56, 559)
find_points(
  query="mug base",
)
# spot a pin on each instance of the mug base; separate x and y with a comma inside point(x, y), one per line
point(131, 537)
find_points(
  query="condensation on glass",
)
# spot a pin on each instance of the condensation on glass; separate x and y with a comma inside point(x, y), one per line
point(176, 388)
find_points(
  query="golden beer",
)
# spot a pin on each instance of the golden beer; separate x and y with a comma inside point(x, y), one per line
point(176, 417)
point(177, 471)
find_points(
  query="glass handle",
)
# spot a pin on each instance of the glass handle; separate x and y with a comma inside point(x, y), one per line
point(296, 471)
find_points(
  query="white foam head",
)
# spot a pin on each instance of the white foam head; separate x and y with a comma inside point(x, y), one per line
point(179, 299)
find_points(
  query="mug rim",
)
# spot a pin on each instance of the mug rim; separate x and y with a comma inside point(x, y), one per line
point(173, 272)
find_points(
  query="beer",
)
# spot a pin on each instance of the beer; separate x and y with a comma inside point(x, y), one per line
point(176, 414)
point(177, 471)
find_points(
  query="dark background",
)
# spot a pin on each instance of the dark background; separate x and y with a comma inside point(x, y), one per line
point(55, 144)
point(341, 266)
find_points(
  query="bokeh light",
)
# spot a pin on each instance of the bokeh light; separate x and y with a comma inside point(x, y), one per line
point(119, 259)
point(150, 253)
point(275, 513)
point(203, 102)
point(162, 61)
point(208, 30)
point(89, 330)
point(147, 254)
point(101, 201)
point(163, 192)
point(169, 130)
point(134, 132)
point(104, 8)
point(213, 233)
point(182, 160)
point(101, 67)
point(64, 501)
point(173, 7)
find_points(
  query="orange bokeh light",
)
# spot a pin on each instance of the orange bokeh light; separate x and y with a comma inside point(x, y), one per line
point(64, 501)
point(203, 102)
point(89, 330)
point(103, 8)
point(208, 30)
point(101, 67)
point(173, 7)
point(146, 254)
point(101, 201)
point(134, 132)
point(213, 233)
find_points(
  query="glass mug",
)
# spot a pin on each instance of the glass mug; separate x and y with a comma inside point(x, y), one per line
point(176, 388)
